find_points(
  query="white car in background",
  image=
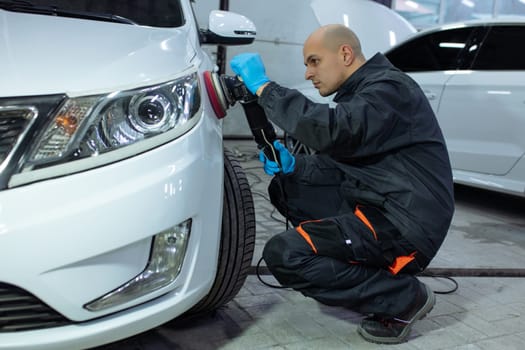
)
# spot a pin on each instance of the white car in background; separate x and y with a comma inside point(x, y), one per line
point(119, 207)
point(473, 74)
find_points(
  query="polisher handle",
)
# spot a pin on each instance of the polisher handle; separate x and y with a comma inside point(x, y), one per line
point(262, 130)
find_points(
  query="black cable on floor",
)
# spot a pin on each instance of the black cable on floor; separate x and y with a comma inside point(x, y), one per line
point(445, 272)
point(437, 273)
point(259, 271)
point(257, 267)
point(450, 291)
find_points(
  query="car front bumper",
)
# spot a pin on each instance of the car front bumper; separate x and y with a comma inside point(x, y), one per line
point(73, 239)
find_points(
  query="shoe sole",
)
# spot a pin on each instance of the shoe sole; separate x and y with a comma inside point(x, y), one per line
point(402, 337)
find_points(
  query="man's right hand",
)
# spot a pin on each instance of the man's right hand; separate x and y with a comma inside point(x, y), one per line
point(250, 68)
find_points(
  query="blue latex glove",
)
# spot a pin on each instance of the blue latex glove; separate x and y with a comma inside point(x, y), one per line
point(250, 67)
point(287, 160)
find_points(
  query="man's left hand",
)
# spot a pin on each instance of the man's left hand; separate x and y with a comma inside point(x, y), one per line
point(250, 68)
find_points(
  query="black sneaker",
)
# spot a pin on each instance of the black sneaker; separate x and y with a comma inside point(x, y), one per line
point(395, 330)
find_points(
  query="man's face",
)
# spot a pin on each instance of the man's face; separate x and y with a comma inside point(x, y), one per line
point(324, 67)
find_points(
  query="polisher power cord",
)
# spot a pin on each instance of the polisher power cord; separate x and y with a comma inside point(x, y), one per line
point(267, 272)
point(271, 149)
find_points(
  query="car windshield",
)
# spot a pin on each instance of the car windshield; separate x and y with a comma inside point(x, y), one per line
point(155, 13)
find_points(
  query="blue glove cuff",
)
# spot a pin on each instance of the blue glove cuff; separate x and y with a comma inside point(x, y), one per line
point(254, 86)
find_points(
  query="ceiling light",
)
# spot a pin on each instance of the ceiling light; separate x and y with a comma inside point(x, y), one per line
point(412, 4)
point(468, 3)
point(452, 45)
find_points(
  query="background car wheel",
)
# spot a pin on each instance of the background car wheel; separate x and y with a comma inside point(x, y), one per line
point(237, 238)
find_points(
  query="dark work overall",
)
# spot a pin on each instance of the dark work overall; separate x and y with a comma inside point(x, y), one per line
point(381, 153)
point(339, 252)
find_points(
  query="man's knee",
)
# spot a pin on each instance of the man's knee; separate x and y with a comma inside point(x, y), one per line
point(281, 249)
point(273, 251)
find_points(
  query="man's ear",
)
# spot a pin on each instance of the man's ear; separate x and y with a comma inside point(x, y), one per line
point(348, 54)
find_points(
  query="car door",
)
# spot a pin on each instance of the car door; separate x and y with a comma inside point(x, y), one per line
point(482, 108)
point(430, 58)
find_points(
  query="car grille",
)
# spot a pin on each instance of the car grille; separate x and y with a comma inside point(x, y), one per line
point(13, 122)
point(20, 310)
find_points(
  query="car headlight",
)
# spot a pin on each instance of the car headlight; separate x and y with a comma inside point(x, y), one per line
point(90, 131)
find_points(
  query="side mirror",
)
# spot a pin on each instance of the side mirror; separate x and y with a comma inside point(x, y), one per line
point(228, 28)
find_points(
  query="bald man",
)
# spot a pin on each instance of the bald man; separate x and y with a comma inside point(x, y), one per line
point(372, 207)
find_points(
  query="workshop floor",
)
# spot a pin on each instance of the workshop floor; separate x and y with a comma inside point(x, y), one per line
point(486, 239)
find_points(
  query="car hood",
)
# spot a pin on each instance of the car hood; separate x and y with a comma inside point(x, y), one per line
point(46, 55)
point(281, 34)
point(377, 26)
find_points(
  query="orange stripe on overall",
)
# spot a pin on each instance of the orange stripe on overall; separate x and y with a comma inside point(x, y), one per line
point(401, 261)
point(305, 234)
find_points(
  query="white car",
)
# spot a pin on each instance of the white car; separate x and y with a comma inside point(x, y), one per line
point(473, 74)
point(119, 208)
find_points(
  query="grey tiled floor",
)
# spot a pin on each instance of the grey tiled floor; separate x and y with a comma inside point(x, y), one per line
point(487, 237)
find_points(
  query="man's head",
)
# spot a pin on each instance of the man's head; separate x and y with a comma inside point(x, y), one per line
point(331, 54)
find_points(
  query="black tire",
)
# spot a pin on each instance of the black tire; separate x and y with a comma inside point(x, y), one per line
point(237, 238)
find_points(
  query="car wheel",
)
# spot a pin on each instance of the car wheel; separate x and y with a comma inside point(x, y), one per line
point(237, 238)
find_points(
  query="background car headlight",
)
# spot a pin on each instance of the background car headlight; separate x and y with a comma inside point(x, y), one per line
point(84, 129)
